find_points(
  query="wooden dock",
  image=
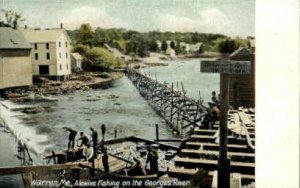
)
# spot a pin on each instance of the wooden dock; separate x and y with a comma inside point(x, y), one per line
point(179, 110)
point(201, 151)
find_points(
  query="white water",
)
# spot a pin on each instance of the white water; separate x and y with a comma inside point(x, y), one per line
point(10, 117)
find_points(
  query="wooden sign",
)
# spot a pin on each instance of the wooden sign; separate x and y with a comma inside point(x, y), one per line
point(226, 67)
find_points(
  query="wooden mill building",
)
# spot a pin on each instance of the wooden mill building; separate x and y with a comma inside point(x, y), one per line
point(242, 87)
point(15, 62)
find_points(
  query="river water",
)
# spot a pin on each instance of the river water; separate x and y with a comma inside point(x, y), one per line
point(119, 107)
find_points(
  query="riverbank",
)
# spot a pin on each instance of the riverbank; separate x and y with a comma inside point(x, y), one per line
point(44, 87)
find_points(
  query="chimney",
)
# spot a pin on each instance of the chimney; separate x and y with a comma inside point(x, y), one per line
point(25, 26)
point(15, 25)
point(61, 26)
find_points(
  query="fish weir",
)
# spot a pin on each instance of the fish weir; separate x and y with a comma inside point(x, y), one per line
point(177, 109)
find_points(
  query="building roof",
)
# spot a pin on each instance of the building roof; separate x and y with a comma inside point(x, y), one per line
point(43, 35)
point(77, 56)
point(12, 39)
point(241, 52)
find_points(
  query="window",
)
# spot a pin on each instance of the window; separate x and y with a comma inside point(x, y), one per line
point(59, 55)
point(59, 44)
point(66, 44)
point(66, 55)
point(67, 67)
point(47, 46)
point(36, 56)
point(60, 67)
point(48, 55)
point(35, 46)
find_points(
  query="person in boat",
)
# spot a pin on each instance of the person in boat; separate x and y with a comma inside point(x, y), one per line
point(103, 130)
point(84, 139)
point(95, 139)
point(105, 160)
point(152, 157)
point(137, 169)
point(72, 135)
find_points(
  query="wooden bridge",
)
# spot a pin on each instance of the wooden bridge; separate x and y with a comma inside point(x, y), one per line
point(179, 110)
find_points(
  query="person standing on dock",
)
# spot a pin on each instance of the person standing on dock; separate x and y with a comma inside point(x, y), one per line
point(105, 160)
point(95, 139)
point(72, 136)
point(84, 139)
point(152, 157)
point(103, 130)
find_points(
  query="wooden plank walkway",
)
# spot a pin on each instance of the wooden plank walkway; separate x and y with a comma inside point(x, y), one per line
point(115, 164)
point(239, 167)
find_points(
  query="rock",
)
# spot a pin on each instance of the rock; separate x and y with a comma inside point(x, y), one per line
point(104, 75)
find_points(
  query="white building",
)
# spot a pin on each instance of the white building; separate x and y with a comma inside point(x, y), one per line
point(51, 52)
point(76, 61)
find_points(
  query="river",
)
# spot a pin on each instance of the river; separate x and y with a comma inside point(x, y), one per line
point(120, 107)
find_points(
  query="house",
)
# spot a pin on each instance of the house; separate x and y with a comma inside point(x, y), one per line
point(15, 62)
point(76, 60)
point(51, 52)
point(191, 49)
point(242, 87)
point(171, 52)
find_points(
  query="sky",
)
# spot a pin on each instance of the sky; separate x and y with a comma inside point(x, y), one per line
point(230, 17)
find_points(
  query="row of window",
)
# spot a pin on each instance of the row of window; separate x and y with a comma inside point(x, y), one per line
point(36, 55)
point(48, 46)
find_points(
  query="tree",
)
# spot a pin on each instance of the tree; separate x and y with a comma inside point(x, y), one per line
point(85, 35)
point(12, 17)
point(143, 49)
point(172, 44)
point(80, 48)
point(201, 49)
point(227, 46)
point(179, 50)
point(164, 46)
point(153, 47)
point(101, 57)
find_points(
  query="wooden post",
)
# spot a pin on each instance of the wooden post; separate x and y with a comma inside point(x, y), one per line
point(224, 67)
point(223, 171)
point(115, 131)
point(157, 132)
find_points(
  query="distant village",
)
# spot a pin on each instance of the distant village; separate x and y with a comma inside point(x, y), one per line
point(29, 55)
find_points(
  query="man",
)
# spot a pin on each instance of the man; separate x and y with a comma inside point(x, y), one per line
point(72, 136)
point(94, 136)
point(84, 139)
point(152, 157)
point(105, 160)
point(137, 169)
point(103, 130)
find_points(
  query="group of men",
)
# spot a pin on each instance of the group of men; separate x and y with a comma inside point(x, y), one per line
point(86, 145)
point(85, 141)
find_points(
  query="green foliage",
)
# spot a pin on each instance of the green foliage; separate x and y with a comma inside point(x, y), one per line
point(153, 47)
point(101, 57)
point(227, 46)
point(80, 48)
point(179, 50)
point(164, 46)
point(85, 35)
point(172, 44)
point(141, 43)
